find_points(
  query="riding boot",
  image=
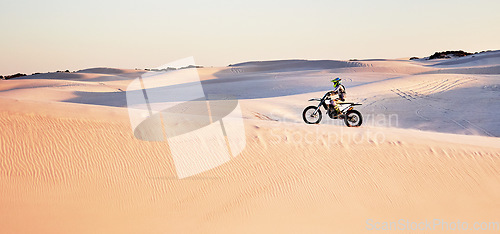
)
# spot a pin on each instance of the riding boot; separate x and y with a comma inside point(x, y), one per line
point(337, 110)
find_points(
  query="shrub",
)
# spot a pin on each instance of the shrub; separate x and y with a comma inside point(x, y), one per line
point(14, 76)
point(448, 54)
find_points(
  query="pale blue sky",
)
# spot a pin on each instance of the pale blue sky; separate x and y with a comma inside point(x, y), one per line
point(40, 36)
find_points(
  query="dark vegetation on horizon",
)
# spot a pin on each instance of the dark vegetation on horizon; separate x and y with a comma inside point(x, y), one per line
point(22, 74)
point(449, 54)
point(12, 76)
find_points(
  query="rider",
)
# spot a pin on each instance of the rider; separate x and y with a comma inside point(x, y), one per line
point(338, 89)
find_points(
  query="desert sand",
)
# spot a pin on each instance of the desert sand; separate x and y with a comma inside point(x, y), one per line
point(429, 149)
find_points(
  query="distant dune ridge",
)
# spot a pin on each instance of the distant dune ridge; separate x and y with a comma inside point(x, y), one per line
point(429, 148)
point(295, 65)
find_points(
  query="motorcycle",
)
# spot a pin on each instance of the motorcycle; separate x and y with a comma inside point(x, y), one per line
point(351, 117)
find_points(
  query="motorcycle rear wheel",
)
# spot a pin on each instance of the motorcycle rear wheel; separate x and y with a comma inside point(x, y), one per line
point(353, 118)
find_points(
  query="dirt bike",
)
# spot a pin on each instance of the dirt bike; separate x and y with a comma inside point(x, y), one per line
point(351, 117)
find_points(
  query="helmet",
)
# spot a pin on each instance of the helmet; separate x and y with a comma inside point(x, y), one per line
point(336, 82)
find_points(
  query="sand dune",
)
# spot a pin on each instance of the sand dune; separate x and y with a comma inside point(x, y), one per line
point(267, 66)
point(69, 162)
point(85, 176)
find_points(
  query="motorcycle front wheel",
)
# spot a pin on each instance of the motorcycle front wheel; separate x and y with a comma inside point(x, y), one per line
point(309, 116)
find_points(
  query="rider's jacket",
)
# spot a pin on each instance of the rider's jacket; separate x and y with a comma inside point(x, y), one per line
point(340, 91)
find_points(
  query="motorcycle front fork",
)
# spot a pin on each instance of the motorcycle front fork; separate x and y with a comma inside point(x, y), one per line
point(317, 109)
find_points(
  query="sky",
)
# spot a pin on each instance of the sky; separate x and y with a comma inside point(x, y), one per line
point(51, 35)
